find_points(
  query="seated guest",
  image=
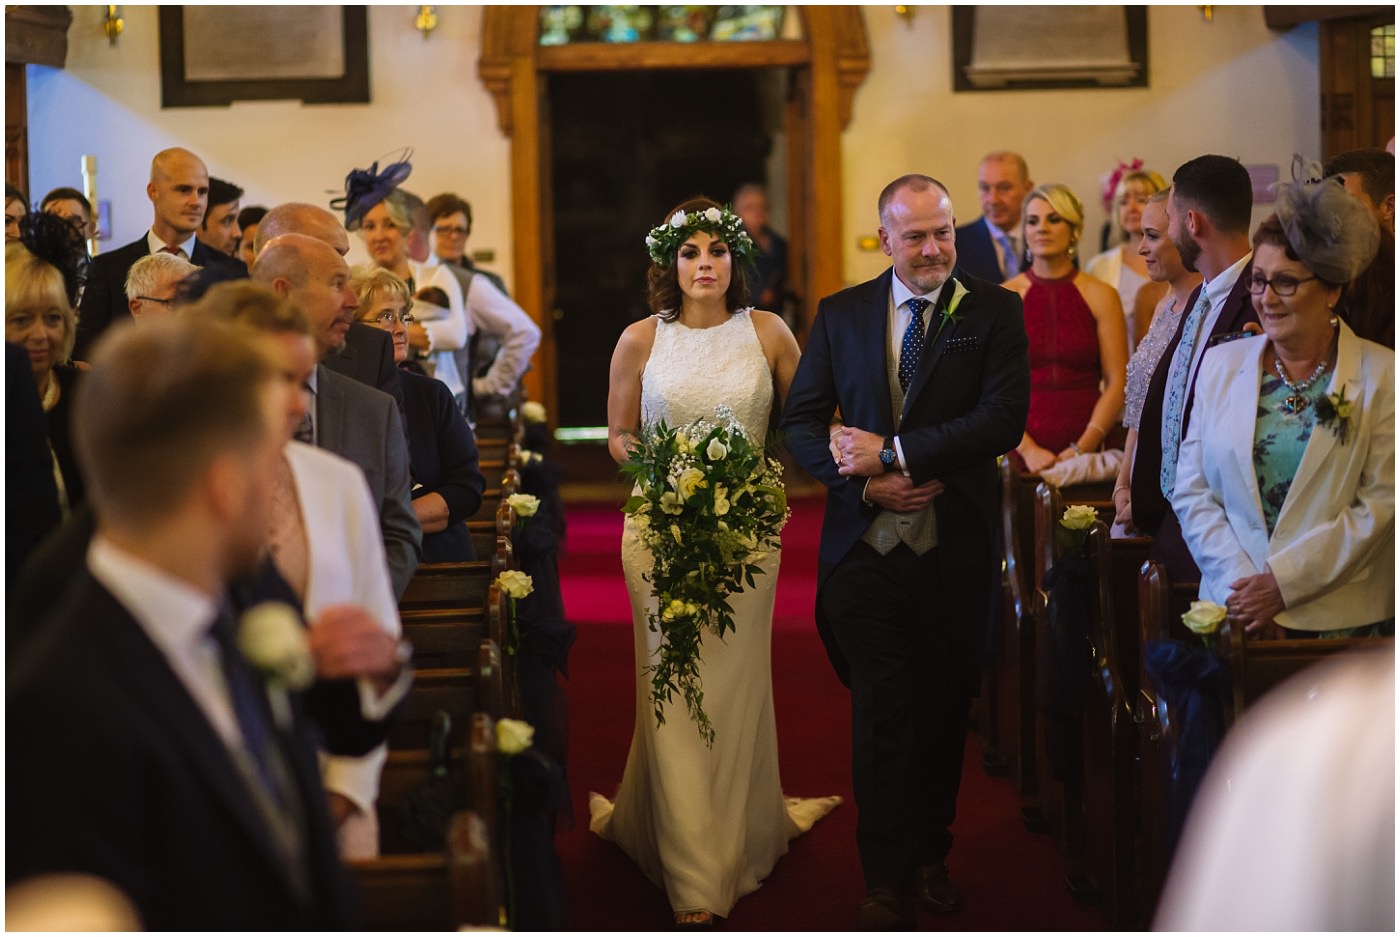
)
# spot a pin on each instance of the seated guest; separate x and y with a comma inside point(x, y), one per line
point(451, 218)
point(1163, 266)
point(16, 207)
point(447, 482)
point(1079, 351)
point(1288, 507)
point(208, 814)
point(151, 284)
point(219, 230)
point(41, 278)
point(248, 220)
point(1122, 267)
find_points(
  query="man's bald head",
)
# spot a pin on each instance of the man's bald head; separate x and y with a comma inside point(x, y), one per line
point(179, 192)
point(302, 218)
point(313, 276)
point(173, 161)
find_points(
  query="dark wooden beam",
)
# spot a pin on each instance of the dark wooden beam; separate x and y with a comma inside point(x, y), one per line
point(1286, 17)
point(37, 35)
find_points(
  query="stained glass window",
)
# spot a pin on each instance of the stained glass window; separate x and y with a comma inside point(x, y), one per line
point(1383, 51)
point(561, 25)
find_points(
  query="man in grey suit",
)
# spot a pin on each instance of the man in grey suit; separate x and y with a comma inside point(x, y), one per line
point(349, 418)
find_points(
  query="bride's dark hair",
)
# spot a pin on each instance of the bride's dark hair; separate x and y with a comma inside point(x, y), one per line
point(664, 290)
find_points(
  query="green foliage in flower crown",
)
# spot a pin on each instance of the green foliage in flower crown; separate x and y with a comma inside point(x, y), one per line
point(665, 239)
point(710, 507)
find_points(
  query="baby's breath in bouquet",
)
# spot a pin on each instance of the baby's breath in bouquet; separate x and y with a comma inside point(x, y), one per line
point(710, 506)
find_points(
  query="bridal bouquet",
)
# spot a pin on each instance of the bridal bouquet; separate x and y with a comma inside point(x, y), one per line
point(710, 507)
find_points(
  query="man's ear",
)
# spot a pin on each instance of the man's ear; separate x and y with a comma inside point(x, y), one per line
point(151, 191)
point(281, 286)
point(133, 305)
point(1388, 211)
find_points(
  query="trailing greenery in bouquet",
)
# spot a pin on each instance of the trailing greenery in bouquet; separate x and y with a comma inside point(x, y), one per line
point(710, 506)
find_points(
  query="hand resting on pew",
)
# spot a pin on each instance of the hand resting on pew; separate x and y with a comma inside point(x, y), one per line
point(1254, 602)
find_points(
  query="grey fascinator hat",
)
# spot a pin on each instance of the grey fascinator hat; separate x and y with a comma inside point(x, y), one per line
point(1330, 231)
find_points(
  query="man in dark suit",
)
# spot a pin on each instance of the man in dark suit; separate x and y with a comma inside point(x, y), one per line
point(187, 790)
point(349, 418)
point(179, 193)
point(1209, 224)
point(992, 248)
point(931, 379)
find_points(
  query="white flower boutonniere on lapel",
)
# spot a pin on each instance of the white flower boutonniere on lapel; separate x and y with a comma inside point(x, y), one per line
point(273, 639)
point(1335, 412)
point(950, 313)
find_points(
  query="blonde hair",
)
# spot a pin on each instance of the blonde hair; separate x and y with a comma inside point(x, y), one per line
point(1063, 202)
point(369, 282)
point(32, 283)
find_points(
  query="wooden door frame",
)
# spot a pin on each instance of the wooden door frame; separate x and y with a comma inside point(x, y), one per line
point(832, 58)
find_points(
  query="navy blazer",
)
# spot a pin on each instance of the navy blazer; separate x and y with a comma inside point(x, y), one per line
point(977, 253)
point(368, 357)
point(104, 296)
point(114, 770)
point(444, 459)
point(966, 405)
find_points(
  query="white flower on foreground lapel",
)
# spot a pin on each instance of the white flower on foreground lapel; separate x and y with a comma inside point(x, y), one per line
point(271, 636)
point(1335, 411)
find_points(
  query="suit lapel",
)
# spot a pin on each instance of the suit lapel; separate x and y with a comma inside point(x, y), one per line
point(1240, 422)
point(873, 348)
point(1317, 454)
point(329, 410)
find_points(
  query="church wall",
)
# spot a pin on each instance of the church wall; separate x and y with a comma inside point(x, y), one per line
point(1256, 100)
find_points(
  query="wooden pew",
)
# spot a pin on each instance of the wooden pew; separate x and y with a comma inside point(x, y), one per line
point(459, 691)
point(1258, 666)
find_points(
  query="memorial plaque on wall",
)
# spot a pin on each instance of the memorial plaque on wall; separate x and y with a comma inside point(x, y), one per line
point(1011, 48)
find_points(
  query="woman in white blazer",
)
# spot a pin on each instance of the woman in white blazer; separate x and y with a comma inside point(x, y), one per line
point(1285, 486)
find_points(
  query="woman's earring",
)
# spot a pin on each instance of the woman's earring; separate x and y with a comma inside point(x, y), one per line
point(1073, 248)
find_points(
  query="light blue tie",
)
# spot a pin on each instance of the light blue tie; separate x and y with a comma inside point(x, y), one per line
point(1010, 265)
point(1174, 404)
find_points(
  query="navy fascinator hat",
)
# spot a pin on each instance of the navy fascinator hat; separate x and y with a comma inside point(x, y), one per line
point(366, 188)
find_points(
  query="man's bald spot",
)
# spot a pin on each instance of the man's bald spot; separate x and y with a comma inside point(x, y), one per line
point(290, 257)
point(164, 162)
point(302, 218)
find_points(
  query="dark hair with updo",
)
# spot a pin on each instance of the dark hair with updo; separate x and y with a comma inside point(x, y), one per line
point(664, 290)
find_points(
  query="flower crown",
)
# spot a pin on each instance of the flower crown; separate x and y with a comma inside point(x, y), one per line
point(664, 240)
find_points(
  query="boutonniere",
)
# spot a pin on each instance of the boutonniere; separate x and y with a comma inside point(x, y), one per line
point(273, 639)
point(1334, 411)
point(950, 314)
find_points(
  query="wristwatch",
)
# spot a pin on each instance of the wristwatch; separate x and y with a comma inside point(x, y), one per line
point(888, 458)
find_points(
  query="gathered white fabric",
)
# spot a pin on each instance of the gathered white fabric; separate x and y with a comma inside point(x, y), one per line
point(1086, 468)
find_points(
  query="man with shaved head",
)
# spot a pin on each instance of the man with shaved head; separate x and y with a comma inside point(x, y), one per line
point(355, 422)
point(179, 194)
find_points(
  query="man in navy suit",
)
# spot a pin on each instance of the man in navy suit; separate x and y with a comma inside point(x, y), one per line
point(991, 248)
point(143, 747)
point(931, 378)
point(179, 194)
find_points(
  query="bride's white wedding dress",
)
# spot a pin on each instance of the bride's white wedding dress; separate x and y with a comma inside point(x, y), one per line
point(706, 824)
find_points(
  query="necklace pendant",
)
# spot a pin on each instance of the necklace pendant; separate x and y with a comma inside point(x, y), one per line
point(1293, 403)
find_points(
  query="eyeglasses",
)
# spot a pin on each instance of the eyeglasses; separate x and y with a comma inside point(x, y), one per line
point(385, 318)
point(152, 299)
point(445, 230)
point(1283, 284)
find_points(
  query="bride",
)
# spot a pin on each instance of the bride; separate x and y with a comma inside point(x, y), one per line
point(706, 823)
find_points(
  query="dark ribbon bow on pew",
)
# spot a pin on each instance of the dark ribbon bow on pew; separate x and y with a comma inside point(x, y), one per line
point(1063, 664)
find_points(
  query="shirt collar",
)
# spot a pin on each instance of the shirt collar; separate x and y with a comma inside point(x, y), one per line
point(1218, 289)
point(156, 245)
point(312, 381)
point(173, 613)
point(901, 294)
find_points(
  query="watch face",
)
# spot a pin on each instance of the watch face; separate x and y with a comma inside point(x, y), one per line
point(887, 456)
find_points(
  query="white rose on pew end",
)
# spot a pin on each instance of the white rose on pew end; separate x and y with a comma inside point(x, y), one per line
point(271, 636)
point(1204, 618)
point(513, 736)
point(1079, 517)
point(524, 505)
point(533, 412)
point(515, 584)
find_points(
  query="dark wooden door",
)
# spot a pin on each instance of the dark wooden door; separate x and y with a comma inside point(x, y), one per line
point(1358, 89)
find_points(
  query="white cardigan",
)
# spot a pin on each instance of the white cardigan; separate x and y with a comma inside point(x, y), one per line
point(1332, 549)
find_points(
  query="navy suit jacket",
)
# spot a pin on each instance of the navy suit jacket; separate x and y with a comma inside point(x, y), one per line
point(104, 296)
point(368, 357)
point(977, 253)
point(966, 405)
point(444, 458)
point(114, 770)
point(1150, 506)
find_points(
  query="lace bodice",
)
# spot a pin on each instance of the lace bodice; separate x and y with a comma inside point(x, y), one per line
point(691, 371)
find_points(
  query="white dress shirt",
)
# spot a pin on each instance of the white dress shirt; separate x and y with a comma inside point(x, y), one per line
point(156, 245)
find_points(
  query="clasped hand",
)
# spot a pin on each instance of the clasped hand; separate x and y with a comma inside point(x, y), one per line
point(857, 453)
point(1255, 602)
point(347, 642)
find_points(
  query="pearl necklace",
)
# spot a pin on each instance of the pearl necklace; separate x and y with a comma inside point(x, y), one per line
point(1297, 401)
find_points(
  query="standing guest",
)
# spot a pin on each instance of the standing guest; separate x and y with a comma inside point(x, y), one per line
point(41, 279)
point(152, 281)
point(1369, 175)
point(1122, 267)
point(348, 418)
point(70, 204)
point(908, 563)
point(991, 248)
point(1163, 266)
point(31, 496)
point(1075, 323)
point(1368, 304)
point(179, 193)
point(219, 230)
point(248, 220)
point(442, 453)
point(1302, 542)
point(1209, 212)
point(16, 207)
point(769, 286)
point(209, 813)
point(451, 218)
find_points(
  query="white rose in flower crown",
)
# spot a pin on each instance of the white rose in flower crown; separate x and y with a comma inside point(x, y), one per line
point(1204, 618)
point(524, 505)
point(515, 584)
point(689, 481)
point(715, 450)
point(534, 412)
point(651, 241)
point(513, 736)
point(271, 636)
point(1079, 517)
point(678, 220)
point(712, 215)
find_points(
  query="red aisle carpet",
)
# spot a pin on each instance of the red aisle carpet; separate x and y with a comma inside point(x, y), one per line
point(1011, 880)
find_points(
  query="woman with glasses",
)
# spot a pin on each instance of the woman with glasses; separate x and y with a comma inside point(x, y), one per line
point(443, 460)
point(1285, 485)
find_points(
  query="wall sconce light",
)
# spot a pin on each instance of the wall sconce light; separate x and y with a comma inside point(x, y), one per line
point(112, 25)
point(905, 13)
point(426, 21)
point(1208, 12)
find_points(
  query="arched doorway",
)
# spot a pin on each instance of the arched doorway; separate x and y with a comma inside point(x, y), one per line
point(824, 66)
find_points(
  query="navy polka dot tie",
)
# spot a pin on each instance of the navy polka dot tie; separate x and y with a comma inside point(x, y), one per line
point(913, 344)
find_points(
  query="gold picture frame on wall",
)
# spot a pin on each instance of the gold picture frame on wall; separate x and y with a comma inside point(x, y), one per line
point(1016, 48)
point(211, 56)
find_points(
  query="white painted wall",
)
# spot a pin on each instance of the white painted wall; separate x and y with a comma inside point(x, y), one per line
point(1230, 86)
